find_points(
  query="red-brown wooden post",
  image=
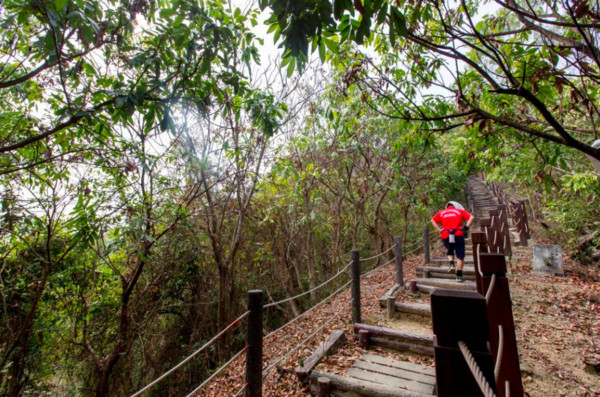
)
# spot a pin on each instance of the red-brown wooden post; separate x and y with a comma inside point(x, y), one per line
point(494, 239)
point(505, 233)
point(460, 316)
point(479, 241)
point(522, 224)
point(485, 225)
point(499, 307)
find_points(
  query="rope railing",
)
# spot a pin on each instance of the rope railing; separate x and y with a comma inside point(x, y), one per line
point(254, 373)
point(485, 387)
point(404, 255)
point(500, 353)
point(493, 285)
point(242, 389)
point(218, 371)
point(378, 255)
point(367, 273)
point(308, 291)
point(490, 289)
point(303, 342)
point(308, 311)
point(191, 356)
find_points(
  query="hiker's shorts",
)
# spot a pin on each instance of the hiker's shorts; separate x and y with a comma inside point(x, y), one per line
point(457, 248)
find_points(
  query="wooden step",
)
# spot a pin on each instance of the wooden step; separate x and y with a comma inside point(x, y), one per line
point(334, 340)
point(401, 374)
point(420, 309)
point(445, 275)
point(467, 270)
point(349, 386)
point(443, 283)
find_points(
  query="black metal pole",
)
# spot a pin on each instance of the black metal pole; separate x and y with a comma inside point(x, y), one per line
point(255, 341)
point(399, 270)
point(355, 286)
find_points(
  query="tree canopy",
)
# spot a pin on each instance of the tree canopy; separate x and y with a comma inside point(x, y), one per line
point(149, 178)
point(520, 70)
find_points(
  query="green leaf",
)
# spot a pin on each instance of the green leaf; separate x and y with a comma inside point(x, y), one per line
point(322, 50)
point(291, 67)
point(399, 22)
point(60, 4)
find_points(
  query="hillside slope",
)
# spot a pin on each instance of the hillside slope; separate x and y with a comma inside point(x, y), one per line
point(557, 324)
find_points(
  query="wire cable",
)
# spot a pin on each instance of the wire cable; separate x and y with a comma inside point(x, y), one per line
point(218, 371)
point(188, 358)
point(309, 291)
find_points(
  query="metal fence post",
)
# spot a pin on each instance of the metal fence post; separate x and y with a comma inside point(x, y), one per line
point(399, 269)
point(355, 286)
point(459, 315)
point(499, 307)
point(426, 255)
point(255, 344)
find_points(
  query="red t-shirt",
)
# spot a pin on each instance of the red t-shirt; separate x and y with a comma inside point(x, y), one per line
point(451, 219)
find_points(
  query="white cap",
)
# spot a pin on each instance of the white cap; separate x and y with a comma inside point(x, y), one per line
point(455, 204)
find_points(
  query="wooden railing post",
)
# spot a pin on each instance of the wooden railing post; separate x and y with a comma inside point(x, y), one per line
point(499, 307)
point(355, 286)
point(485, 225)
point(495, 237)
point(399, 269)
point(504, 232)
point(520, 211)
point(479, 241)
point(255, 344)
point(426, 255)
point(525, 221)
point(459, 315)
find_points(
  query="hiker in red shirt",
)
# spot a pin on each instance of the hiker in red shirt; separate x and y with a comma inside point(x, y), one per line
point(452, 233)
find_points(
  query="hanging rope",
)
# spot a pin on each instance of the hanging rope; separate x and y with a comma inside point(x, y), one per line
point(500, 353)
point(241, 390)
point(488, 294)
point(309, 310)
point(196, 390)
point(479, 260)
point(377, 267)
point(475, 370)
point(309, 291)
point(304, 341)
point(188, 358)
point(378, 255)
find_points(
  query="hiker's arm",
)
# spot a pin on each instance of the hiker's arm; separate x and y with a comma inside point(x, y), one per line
point(470, 221)
point(435, 225)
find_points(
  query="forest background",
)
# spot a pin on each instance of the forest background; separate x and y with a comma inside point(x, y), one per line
point(156, 165)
